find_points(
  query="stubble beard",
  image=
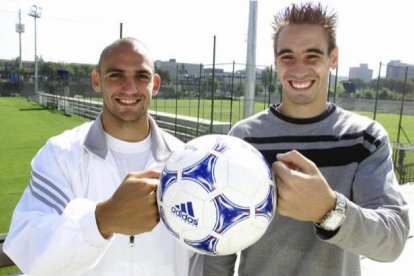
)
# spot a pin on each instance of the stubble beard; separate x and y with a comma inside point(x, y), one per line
point(127, 118)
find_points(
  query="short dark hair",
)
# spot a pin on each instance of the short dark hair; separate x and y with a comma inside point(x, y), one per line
point(306, 13)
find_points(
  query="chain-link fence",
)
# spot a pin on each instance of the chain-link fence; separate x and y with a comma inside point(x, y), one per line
point(214, 98)
point(195, 98)
point(213, 94)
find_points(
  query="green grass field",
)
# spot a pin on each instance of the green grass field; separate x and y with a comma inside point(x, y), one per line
point(193, 107)
point(25, 127)
point(221, 112)
point(391, 121)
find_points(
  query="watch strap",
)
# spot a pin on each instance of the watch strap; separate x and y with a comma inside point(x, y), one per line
point(334, 217)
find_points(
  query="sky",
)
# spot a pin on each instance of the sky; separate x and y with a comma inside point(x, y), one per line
point(76, 31)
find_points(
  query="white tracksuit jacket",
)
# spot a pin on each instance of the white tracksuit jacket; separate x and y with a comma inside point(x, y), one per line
point(54, 231)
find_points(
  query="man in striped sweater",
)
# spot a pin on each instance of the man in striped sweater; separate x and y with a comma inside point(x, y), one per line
point(338, 197)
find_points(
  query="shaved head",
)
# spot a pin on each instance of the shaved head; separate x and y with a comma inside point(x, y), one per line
point(126, 42)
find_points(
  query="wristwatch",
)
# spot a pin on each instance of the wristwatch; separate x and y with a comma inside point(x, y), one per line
point(335, 217)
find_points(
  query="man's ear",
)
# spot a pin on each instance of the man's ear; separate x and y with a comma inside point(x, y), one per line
point(96, 80)
point(334, 58)
point(157, 84)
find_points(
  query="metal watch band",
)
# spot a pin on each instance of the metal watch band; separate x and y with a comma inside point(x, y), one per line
point(335, 217)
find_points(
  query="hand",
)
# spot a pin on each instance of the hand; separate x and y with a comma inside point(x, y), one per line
point(132, 209)
point(303, 193)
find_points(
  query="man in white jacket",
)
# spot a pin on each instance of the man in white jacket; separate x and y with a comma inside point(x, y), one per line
point(90, 207)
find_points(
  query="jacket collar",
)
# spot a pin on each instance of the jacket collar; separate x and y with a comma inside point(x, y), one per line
point(161, 147)
point(95, 140)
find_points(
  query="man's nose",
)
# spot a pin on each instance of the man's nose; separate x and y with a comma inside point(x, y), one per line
point(299, 69)
point(130, 85)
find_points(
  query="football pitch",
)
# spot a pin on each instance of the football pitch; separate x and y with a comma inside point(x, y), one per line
point(25, 126)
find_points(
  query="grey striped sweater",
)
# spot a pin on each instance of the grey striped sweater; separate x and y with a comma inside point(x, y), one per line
point(354, 155)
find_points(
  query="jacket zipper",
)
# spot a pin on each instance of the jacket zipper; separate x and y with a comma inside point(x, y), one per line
point(131, 255)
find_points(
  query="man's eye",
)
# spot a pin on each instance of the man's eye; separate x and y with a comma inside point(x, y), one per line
point(286, 58)
point(143, 76)
point(313, 58)
point(114, 75)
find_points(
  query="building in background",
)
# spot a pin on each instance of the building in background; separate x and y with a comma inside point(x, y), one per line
point(184, 69)
point(396, 70)
point(362, 72)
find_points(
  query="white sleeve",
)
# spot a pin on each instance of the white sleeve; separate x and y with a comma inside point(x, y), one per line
point(51, 232)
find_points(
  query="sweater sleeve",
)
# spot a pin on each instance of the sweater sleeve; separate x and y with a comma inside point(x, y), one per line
point(51, 232)
point(377, 223)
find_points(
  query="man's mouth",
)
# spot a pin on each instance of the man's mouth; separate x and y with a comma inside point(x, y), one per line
point(127, 101)
point(301, 84)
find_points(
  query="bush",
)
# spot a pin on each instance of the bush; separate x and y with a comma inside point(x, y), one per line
point(386, 94)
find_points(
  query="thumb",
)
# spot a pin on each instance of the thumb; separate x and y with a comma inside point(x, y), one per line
point(296, 161)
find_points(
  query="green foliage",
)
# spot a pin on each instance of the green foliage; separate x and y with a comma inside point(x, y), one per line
point(386, 94)
point(366, 93)
point(239, 88)
point(268, 76)
point(395, 85)
point(359, 84)
point(370, 92)
point(46, 68)
point(339, 90)
point(206, 84)
point(50, 69)
point(164, 74)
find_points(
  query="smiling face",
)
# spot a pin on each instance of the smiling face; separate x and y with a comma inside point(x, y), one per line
point(127, 82)
point(303, 63)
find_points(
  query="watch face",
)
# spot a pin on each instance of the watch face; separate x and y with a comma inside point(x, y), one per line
point(333, 221)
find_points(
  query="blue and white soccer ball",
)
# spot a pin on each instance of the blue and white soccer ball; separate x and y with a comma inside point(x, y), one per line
point(217, 195)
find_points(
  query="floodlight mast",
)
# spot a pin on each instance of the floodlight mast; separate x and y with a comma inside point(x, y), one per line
point(20, 30)
point(250, 80)
point(36, 12)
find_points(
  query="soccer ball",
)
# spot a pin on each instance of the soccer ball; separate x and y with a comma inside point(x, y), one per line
point(216, 195)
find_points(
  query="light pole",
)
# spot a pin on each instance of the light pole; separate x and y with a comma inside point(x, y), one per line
point(20, 30)
point(250, 80)
point(35, 12)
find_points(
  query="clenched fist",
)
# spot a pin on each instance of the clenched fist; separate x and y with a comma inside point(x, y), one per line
point(132, 209)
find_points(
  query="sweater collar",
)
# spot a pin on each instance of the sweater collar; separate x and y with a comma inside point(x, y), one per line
point(328, 111)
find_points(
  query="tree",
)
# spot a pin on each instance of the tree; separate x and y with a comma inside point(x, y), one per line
point(396, 85)
point(359, 83)
point(268, 77)
point(349, 86)
point(164, 74)
point(239, 88)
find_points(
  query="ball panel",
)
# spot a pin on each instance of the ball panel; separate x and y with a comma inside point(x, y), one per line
point(202, 172)
point(167, 178)
point(167, 223)
point(240, 236)
point(267, 207)
point(204, 246)
point(185, 208)
point(184, 158)
point(204, 143)
point(228, 214)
